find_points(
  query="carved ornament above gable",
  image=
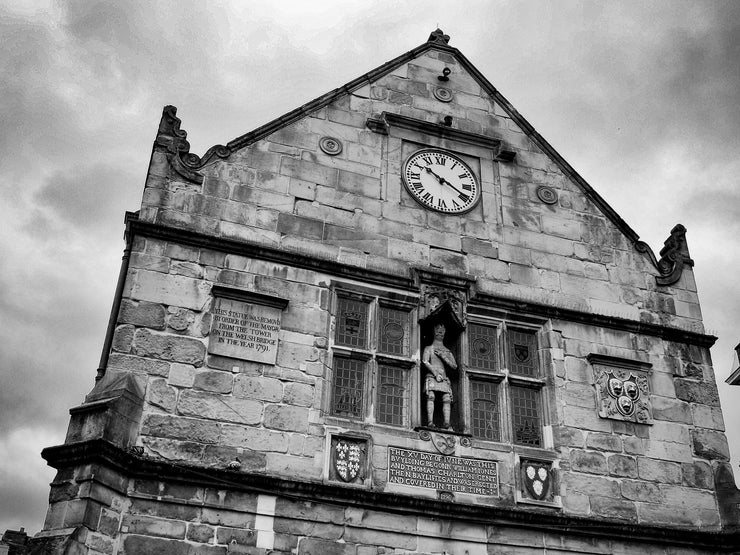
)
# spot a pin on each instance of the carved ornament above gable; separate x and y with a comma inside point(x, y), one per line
point(674, 256)
point(174, 141)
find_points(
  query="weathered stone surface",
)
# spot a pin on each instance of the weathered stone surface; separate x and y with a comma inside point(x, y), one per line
point(613, 508)
point(315, 546)
point(192, 429)
point(236, 537)
point(641, 491)
point(622, 465)
point(604, 442)
point(182, 375)
point(161, 395)
point(170, 290)
point(283, 417)
point(149, 315)
point(219, 407)
point(169, 347)
point(122, 338)
point(213, 380)
point(698, 475)
point(709, 444)
point(672, 410)
point(258, 387)
point(590, 485)
point(138, 365)
point(200, 533)
point(697, 392)
point(659, 471)
point(150, 526)
point(299, 394)
point(179, 318)
point(257, 439)
point(592, 462)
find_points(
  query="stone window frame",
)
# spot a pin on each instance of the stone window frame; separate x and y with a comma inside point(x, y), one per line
point(506, 381)
point(369, 355)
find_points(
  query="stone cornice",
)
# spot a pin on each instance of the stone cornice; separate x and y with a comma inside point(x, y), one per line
point(130, 465)
point(388, 279)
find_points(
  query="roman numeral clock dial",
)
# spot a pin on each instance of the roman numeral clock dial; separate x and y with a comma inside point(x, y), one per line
point(441, 181)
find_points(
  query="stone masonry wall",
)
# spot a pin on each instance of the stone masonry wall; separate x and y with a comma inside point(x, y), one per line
point(284, 192)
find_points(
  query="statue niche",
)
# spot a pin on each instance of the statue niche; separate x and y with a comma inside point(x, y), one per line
point(440, 372)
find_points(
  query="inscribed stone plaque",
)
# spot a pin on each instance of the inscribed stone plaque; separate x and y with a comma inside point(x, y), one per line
point(440, 472)
point(244, 330)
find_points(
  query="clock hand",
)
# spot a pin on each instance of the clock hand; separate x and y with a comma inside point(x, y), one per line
point(442, 180)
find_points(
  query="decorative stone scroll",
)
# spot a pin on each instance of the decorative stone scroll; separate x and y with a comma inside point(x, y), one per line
point(245, 325)
point(442, 473)
point(622, 389)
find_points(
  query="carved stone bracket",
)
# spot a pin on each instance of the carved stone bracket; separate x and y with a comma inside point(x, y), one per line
point(674, 256)
point(174, 140)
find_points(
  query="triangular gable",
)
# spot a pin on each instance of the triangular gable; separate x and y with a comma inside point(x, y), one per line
point(673, 257)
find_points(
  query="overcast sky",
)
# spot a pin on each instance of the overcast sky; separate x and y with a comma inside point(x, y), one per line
point(642, 98)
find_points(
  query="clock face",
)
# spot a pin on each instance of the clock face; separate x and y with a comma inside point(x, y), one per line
point(441, 181)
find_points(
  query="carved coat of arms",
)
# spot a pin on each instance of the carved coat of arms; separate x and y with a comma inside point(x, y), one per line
point(348, 458)
point(623, 394)
point(537, 480)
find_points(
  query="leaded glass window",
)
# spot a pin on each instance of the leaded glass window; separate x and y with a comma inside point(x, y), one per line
point(349, 385)
point(393, 331)
point(352, 323)
point(482, 347)
point(371, 350)
point(522, 352)
point(503, 371)
point(484, 403)
point(391, 401)
point(525, 409)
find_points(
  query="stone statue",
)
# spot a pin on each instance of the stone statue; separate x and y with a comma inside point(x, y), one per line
point(436, 359)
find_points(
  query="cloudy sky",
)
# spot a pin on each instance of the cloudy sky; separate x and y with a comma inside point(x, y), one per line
point(642, 98)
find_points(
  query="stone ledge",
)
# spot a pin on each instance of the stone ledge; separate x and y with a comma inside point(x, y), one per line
point(132, 465)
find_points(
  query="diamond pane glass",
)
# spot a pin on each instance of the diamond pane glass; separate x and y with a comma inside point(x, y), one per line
point(351, 323)
point(525, 409)
point(484, 415)
point(349, 382)
point(391, 396)
point(522, 352)
point(393, 331)
point(482, 347)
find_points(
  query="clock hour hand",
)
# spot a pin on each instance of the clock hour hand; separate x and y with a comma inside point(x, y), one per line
point(442, 180)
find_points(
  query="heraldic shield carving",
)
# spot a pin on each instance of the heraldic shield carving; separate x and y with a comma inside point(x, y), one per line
point(537, 480)
point(623, 394)
point(348, 456)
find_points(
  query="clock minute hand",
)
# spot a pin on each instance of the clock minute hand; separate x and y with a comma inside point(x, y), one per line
point(442, 180)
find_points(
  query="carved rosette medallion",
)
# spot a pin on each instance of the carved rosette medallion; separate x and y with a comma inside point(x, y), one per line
point(623, 394)
point(536, 480)
point(443, 94)
point(330, 145)
point(548, 195)
point(348, 458)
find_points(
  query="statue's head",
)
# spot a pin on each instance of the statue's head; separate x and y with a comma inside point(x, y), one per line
point(439, 331)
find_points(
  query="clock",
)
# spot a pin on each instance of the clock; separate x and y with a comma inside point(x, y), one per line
point(439, 180)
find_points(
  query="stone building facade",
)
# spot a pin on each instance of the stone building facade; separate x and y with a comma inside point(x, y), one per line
point(393, 320)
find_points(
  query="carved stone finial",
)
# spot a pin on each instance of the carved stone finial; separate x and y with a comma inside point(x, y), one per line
point(174, 140)
point(673, 256)
point(439, 37)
